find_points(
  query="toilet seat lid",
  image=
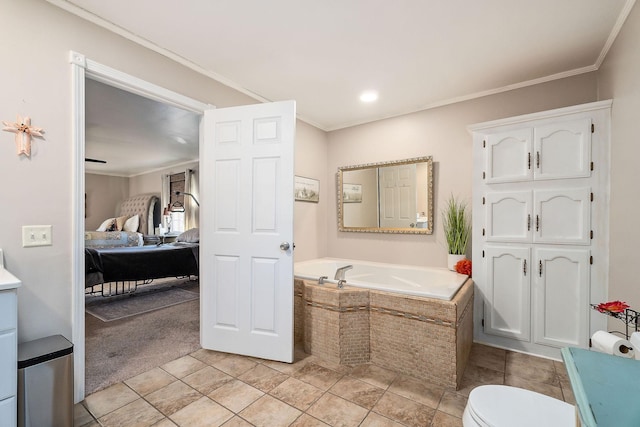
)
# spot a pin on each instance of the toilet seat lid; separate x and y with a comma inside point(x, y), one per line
point(506, 406)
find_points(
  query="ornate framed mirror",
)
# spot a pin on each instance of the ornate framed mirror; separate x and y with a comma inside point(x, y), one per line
point(387, 197)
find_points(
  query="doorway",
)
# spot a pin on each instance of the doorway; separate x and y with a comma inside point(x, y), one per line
point(84, 68)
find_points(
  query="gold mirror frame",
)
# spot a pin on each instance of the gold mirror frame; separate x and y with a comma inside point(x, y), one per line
point(400, 230)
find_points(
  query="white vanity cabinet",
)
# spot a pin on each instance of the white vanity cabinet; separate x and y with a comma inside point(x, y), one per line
point(8, 346)
point(540, 234)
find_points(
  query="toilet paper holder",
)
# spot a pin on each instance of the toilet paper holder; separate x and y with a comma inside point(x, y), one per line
point(630, 317)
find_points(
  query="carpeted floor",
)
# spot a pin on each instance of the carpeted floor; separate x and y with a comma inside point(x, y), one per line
point(121, 349)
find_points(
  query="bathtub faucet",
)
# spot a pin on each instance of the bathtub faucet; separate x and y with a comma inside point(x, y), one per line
point(341, 271)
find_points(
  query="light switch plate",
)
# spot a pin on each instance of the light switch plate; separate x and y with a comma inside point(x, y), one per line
point(36, 235)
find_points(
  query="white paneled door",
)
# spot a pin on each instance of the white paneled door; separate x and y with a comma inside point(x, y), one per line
point(246, 217)
point(397, 196)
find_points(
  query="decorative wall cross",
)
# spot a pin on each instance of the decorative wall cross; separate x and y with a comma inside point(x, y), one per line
point(24, 131)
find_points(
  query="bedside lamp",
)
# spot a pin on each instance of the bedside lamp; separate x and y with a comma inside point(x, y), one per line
point(177, 193)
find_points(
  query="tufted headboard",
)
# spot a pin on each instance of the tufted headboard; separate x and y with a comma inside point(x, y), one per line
point(147, 206)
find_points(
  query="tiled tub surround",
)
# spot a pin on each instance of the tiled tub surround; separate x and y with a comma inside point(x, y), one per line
point(425, 338)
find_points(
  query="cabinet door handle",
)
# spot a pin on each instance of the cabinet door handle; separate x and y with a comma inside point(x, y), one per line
point(529, 160)
point(538, 159)
point(524, 267)
point(540, 268)
point(537, 223)
point(528, 222)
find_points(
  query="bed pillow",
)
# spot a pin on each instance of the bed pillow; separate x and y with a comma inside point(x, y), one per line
point(132, 224)
point(107, 225)
point(189, 236)
point(120, 222)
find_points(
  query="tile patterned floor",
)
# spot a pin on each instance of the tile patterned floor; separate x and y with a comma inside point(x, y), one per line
point(208, 388)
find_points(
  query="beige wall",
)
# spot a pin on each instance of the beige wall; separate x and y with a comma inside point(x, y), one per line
point(310, 219)
point(619, 79)
point(104, 194)
point(441, 133)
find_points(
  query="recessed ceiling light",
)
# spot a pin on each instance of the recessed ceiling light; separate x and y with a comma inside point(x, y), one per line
point(180, 139)
point(369, 96)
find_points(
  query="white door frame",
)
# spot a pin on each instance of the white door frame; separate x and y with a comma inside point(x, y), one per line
point(85, 68)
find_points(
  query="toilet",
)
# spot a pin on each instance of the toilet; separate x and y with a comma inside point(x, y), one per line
point(506, 406)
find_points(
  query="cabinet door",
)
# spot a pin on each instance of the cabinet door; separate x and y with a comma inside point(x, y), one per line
point(508, 156)
point(562, 216)
point(9, 411)
point(561, 297)
point(507, 304)
point(8, 363)
point(563, 150)
point(508, 216)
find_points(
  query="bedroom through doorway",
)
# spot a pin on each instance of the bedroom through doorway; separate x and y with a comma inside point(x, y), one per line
point(141, 175)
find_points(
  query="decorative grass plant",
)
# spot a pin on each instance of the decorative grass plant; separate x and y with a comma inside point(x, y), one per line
point(457, 226)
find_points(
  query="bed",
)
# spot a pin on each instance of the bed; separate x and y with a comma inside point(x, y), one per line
point(117, 259)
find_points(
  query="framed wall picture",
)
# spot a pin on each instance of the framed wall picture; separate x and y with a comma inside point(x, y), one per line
point(352, 193)
point(307, 189)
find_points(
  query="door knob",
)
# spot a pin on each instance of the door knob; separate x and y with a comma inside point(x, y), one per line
point(284, 246)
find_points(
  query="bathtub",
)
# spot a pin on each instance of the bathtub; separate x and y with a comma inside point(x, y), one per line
point(429, 282)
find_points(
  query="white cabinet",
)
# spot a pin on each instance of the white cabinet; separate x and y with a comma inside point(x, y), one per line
point(8, 346)
point(537, 227)
point(560, 296)
point(8, 353)
point(541, 283)
point(559, 216)
point(562, 150)
point(507, 300)
point(557, 150)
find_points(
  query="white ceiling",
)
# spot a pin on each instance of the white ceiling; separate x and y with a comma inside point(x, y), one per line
point(133, 134)
point(417, 54)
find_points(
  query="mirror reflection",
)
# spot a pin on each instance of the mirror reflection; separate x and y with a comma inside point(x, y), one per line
point(389, 197)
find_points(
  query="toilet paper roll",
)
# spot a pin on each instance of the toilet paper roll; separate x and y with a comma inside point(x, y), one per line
point(605, 342)
point(635, 343)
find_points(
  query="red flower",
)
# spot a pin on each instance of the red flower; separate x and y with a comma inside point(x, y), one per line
point(464, 267)
point(612, 306)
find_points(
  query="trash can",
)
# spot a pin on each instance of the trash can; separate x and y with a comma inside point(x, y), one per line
point(45, 382)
